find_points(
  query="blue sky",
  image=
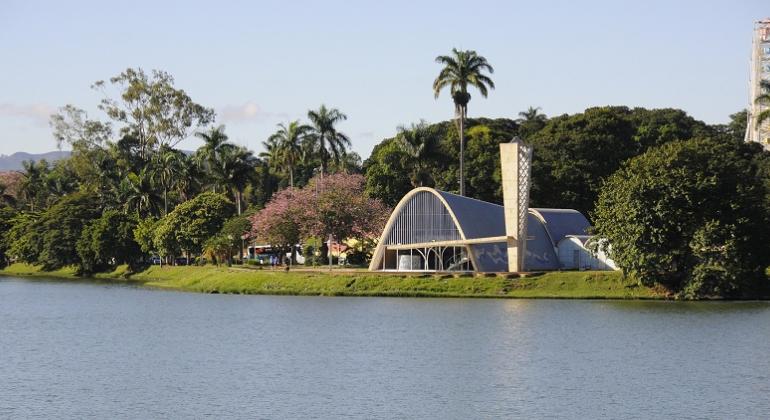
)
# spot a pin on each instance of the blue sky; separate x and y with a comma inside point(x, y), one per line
point(263, 62)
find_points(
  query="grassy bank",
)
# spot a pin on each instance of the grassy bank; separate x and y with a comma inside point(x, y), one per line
point(573, 285)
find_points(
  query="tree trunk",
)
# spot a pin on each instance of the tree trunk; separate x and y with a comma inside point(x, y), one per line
point(291, 177)
point(238, 199)
point(165, 201)
point(323, 157)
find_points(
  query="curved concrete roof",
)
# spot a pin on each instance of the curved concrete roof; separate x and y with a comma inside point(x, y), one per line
point(562, 222)
point(480, 219)
point(477, 219)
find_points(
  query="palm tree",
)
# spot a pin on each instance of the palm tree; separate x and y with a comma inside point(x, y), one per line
point(763, 98)
point(462, 69)
point(531, 121)
point(213, 141)
point(349, 162)
point(33, 184)
point(328, 142)
point(138, 194)
point(235, 168)
point(288, 141)
point(189, 182)
point(418, 143)
point(167, 166)
point(532, 114)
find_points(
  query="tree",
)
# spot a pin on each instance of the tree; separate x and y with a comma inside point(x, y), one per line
point(151, 109)
point(419, 145)
point(167, 167)
point(690, 216)
point(24, 238)
point(484, 173)
point(72, 126)
point(280, 222)
point(144, 234)
point(191, 223)
point(7, 214)
point(387, 172)
point(236, 168)
point(389, 167)
point(337, 206)
point(462, 69)
point(531, 121)
point(109, 241)
point(288, 142)
point(208, 155)
point(573, 154)
point(328, 142)
point(138, 194)
point(219, 248)
point(32, 190)
point(62, 225)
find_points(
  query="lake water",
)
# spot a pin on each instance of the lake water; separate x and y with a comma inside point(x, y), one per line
point(84, 350)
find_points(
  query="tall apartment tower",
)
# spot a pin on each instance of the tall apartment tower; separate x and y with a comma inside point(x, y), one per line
point(760, 70)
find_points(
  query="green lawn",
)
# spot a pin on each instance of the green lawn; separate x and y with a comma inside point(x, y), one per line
point(210, 279)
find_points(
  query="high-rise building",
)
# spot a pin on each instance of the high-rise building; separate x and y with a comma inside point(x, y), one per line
point(760, 70)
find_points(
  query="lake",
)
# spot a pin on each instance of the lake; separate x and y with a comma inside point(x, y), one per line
point(88, 350)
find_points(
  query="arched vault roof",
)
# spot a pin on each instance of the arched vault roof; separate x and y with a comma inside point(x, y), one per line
point(476, 220)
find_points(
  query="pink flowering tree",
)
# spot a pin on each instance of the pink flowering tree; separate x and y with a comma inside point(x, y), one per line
point(278, 224)
point(340, 209)
point(334, 205)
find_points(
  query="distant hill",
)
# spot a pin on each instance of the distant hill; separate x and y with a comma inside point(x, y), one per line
point(13, 162)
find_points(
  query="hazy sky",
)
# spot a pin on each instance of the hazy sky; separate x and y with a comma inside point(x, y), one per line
point(263, 62)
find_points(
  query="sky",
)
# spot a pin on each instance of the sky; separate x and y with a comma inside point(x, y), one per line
point(260, 63)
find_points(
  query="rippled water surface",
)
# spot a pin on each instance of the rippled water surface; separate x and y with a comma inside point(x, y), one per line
point(78, 350)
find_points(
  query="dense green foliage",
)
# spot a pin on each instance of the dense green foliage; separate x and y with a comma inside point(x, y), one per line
point(109, 241)
point(191, 223)
point(390, 170)
point(690, 216)
point(574, 154)
point(60, 227)
point(7, 214)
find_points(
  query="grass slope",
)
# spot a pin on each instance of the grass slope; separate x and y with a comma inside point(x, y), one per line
point(209, 279)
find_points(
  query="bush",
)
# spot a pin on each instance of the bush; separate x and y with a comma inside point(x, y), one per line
point(690, 216)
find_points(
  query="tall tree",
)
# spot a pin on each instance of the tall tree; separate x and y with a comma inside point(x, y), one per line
point(329, 143)
point(289, 140)
point(167, 166)
point(151, 109)
point(462, 69)
point(72, 126)
point(236, 168)
point(214, 141)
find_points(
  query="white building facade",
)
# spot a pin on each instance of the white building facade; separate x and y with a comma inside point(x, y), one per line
point(759, 70)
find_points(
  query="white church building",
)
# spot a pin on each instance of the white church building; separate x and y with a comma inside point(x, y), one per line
point(436, 231)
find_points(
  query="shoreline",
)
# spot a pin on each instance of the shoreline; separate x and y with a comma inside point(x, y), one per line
point(303, 282)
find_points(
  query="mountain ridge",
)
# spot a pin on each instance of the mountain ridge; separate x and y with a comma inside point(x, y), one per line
point(13, 162)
